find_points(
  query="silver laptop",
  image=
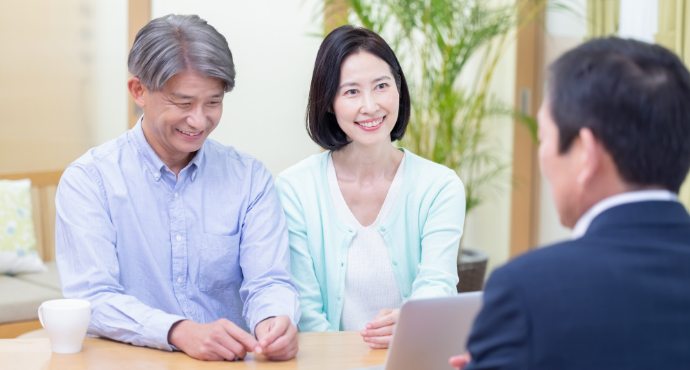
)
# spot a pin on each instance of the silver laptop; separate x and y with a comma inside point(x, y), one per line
point(430, 331)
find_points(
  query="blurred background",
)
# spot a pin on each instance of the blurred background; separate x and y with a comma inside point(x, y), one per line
point(476, 68)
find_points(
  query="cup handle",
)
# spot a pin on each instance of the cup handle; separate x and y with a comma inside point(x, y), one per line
point(40, 315)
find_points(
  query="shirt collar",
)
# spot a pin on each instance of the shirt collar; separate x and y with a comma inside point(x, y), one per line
point(196, 162)
point(630, 197)
point(153, 162)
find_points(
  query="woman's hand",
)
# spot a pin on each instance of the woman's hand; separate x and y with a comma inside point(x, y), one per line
point(380, 330)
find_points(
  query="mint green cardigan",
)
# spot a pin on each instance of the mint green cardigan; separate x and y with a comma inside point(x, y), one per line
point(422, 234)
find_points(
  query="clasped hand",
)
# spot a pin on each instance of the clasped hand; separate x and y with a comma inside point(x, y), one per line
point(223, 340)
point(378, 332)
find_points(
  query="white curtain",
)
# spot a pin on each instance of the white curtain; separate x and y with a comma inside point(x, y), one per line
point(639, 19)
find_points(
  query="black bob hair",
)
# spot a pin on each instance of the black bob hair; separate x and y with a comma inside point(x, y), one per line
point(344, 41)
point(635, 98)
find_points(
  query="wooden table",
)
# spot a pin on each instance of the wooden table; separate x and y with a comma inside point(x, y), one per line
point(332, 350)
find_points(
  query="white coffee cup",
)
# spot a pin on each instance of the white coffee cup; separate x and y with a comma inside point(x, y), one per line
point(66, 321)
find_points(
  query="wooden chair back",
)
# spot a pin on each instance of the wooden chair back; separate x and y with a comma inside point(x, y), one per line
point(43, 190)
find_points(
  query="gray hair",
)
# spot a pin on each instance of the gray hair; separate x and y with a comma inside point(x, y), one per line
point(174, 43)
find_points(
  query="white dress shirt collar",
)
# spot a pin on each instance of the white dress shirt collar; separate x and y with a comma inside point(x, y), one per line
point(630, 197)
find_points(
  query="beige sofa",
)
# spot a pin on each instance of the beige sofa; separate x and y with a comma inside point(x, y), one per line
point(21, 295)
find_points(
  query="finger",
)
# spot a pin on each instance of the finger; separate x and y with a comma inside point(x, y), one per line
point(222, 352)
point(378, 340)
point(278, 328)
point(377, 346)
point(285, 341)
point(381, 322)
point(232, 345)
point(241, 336)
point(285, 353)
point(382, 313)
point(211, 357)
point(206, 353)
point(459, 361)
point(386, 330)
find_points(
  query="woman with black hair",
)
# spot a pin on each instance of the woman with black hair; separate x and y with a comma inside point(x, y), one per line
point(370, 225)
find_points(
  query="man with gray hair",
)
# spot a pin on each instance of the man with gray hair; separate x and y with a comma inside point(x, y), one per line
point(176, 240)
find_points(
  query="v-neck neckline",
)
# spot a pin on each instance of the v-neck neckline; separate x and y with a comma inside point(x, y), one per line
point(344, 210)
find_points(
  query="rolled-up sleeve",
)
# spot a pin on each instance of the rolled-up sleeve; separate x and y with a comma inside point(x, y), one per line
point(267, 289)
point(86, 253)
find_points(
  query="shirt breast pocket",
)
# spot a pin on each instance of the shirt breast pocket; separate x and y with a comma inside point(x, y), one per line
point(219, 262)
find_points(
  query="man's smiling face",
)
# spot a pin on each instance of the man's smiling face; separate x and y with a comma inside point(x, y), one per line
point(179, 118)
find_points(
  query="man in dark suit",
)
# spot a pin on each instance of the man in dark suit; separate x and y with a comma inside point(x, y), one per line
point(614, 136)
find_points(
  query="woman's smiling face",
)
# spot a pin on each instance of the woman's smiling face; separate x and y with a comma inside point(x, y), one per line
point(367, 101)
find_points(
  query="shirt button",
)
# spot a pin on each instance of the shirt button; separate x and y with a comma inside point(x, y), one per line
point(157, 175)
point(383, 228)
point(342, 264)
point(179, 279)
point(178, 238)
point(175, 194)
point(405, 295)
point(395, 263)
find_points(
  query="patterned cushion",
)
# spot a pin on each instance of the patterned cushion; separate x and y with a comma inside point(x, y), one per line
point(17, 239)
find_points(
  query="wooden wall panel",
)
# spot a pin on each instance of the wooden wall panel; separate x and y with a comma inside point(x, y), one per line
point(524, 225)
point(48, 214)
point(45, 83)
point(139, 16)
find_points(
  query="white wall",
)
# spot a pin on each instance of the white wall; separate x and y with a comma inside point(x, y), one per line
point(274, 57)
point(639, 19)
point(109, 70)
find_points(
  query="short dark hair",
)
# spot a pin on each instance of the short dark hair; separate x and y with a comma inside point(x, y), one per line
point(635, 98)
point(342, 42)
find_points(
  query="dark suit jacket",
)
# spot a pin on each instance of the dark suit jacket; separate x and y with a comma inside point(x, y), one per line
point(617, 298)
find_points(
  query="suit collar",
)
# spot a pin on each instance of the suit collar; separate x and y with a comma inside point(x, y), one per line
point(638, 214)
point(629, 197)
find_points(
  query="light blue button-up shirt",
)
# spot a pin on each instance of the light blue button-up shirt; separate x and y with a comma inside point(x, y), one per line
point(147, 249)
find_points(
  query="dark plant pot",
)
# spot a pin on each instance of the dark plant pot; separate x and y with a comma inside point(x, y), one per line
point(471, 270)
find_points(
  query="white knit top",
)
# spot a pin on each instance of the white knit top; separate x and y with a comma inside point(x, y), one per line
point(369, 281)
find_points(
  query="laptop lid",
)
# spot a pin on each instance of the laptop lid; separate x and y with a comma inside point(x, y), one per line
point(430, 331)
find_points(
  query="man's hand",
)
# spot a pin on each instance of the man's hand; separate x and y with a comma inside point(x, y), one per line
point(277, 338)
point(380, 331)
point(217, 341)
point(460, 362)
